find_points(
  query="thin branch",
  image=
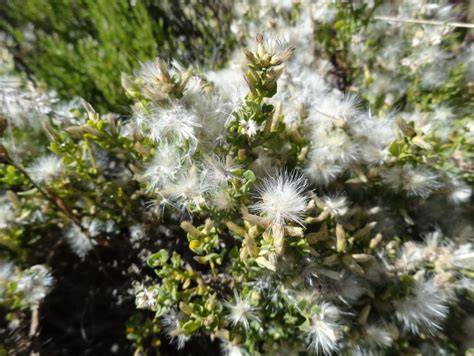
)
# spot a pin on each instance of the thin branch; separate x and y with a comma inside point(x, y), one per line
point(59, 203)
point(33, 333)
point(56, 201)
point(424, 22)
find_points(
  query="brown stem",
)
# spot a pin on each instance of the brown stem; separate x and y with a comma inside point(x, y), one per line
point(33, 334)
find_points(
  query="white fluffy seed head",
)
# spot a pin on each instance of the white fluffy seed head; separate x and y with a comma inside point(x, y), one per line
point(190, 187)
point(153, 72)
point(171, 323)
point(282, 198)
point(172, 123)
point(45, 168)
point(164, 166)
point(424, 308)
point(80, 244)
point(411, 255)
point(336, 205)
point(320, 170)
point(414, 181)
point(379, 336)
point(35, 284)
point(331, 108)
point(335, 146)
point(463, 257)
point(459, 192)
point(241, 311)
point(325, 330)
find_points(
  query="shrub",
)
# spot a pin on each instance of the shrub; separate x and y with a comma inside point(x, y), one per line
point(80, 47)
point(313, 197)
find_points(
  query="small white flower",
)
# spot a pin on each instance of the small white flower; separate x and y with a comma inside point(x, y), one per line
point(137, 233)
point(248, 127)
point(241, 311)
point(145, 298)
point(45, 168)
point(35, 284)
point(325, 330)
point(423, 308)
point(282, 198)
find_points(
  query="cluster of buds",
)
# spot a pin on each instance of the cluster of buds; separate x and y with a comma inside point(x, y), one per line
point(266, 65)
point(156, 82)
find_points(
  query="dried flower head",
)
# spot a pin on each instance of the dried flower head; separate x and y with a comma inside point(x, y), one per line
point(414, 181)
point(282, 198)
point(325, 330)
point(424, 308)
point(35, 284)
point(45, 168)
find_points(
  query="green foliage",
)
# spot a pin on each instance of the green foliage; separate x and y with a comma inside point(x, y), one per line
point(80, 47)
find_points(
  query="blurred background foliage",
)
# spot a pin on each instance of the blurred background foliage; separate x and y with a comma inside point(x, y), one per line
point(79, 47)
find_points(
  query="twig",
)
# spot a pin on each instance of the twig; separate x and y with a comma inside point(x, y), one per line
point(424, 22)
point(59, 203)
point(56, 201)
point(33, 334)
point(34, 322)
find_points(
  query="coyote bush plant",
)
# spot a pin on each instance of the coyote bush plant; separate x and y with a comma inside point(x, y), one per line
point(312, 197)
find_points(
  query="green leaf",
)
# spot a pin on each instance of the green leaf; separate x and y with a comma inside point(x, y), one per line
point(395, 148)
point(190, 326)
point(249, 176)
point(158, 259)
